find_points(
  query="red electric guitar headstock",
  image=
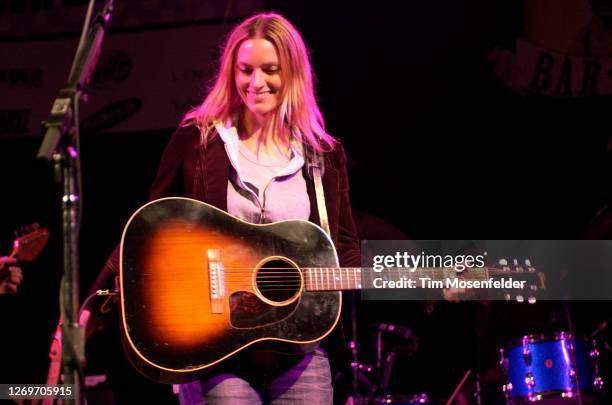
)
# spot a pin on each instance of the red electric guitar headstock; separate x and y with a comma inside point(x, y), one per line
point(29, 243)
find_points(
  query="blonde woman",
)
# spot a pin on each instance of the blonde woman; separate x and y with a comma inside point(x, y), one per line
point(243, 150)
point(246, 150)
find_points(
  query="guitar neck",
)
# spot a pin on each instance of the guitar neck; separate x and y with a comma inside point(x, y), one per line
point(357, 278)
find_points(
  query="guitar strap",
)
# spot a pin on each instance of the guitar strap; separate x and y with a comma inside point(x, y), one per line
point(317, 167)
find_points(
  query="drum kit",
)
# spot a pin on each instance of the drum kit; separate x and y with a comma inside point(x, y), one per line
point(562, 368)
point(557, 369)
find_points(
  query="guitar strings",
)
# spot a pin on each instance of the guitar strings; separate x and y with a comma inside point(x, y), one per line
point(367, 270)
point(344, 277)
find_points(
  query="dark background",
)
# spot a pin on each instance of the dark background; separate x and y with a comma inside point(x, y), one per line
point(438, 149)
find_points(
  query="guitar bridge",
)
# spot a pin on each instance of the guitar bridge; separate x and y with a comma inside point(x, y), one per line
point(216, 280)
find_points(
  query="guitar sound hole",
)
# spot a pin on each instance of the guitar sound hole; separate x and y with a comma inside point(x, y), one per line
point(278, 280)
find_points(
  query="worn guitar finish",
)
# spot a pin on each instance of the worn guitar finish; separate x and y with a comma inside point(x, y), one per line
point(198, 285)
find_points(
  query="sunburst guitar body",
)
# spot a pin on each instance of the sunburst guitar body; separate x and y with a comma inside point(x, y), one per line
point(199, 285)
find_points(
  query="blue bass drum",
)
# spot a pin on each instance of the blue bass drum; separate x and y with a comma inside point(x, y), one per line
point(551, 370)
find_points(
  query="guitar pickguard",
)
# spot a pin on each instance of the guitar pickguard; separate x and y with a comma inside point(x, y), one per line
point(248, 311)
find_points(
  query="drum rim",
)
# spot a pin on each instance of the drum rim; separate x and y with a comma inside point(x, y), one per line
point(404, 396)
point(423, 396)
point(588, 393)
point(543, 338)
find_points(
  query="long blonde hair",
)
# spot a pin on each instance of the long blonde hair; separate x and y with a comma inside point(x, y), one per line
point(297, 113)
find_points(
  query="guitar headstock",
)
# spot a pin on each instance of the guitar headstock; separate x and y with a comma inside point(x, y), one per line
point(29, 242)
point(535, 280)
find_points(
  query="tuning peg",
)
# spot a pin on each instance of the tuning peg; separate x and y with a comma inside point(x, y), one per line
point(504, 264)
point(532, 300)
point(17, 234)
point(530, 267)
point(520, 298)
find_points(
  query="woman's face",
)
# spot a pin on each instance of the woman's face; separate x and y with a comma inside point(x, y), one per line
point(258, 77)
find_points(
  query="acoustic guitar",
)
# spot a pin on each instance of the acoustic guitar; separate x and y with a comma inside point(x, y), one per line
point(199, 285)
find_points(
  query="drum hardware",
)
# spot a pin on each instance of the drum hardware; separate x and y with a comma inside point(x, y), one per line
point(371, 383)
point(401, 340)
point(459, 387)
point(419, 399)
point(595, 353)
point(477, 392)
point(529, 378)
point(598, 382)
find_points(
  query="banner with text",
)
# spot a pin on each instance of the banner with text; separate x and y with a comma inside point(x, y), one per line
point(534, 70)
point(143, 81)
point(508, 270)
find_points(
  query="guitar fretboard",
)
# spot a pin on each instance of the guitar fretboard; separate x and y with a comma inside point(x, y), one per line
point(357, 278)
point(333, 278)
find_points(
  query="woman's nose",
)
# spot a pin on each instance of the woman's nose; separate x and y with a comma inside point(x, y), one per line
point(257, 79)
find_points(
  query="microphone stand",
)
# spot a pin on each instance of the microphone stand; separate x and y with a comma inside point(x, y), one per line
point(61, 145)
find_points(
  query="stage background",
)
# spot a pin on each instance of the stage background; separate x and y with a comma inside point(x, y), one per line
point(439, 147)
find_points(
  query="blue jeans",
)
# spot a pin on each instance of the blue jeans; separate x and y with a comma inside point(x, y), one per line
point(307, 381)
